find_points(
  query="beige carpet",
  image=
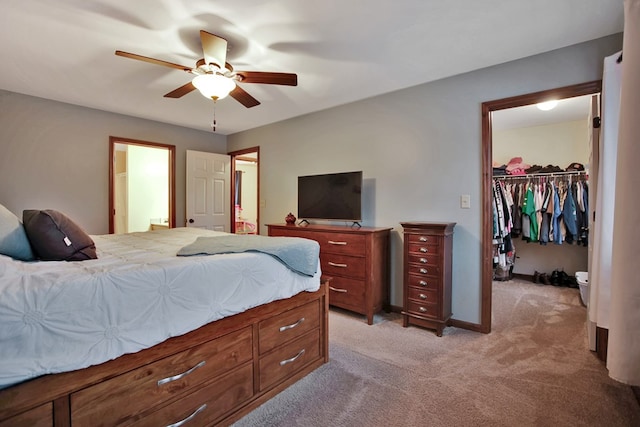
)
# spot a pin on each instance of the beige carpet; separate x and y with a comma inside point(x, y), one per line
point(534, 369)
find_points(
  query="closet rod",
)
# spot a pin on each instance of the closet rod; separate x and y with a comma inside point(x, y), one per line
point(545, 174)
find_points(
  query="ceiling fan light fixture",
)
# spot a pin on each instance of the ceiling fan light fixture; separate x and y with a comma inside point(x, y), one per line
point(213, 85)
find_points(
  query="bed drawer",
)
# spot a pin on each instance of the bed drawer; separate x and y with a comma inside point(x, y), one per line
point(206, 404)
point(288, 325)
point(41, 416)
point(124, 397)
point(286, 360)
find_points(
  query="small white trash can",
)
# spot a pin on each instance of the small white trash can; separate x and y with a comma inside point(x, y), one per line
point(583, 282)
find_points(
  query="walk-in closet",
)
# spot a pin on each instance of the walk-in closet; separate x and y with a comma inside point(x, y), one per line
point(540, 191)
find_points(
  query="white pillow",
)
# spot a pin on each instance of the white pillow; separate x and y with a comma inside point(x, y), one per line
point(13, 238)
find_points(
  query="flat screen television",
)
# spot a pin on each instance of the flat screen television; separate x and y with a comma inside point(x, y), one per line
point(333, 196)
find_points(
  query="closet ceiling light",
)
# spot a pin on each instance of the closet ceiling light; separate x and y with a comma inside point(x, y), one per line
point(548, 105)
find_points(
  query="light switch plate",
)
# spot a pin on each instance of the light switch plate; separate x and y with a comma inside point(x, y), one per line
point(465, 201)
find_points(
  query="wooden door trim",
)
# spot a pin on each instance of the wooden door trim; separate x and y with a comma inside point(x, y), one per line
point(172, 175)
point(238, 155)
point(581, 89)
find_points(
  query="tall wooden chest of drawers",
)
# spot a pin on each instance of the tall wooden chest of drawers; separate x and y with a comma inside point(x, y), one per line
point(428, 248)
point(357, 260)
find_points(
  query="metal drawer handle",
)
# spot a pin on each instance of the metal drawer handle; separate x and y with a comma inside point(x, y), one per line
point(424, 250)
point(338, 289)
point(190, 417)
point(293, 359)
point(423, 296)
point(422, 283)
point(182, 375)
point(423, 238)
point(423, 310)
point(291, 326)
point(332, 242)
point(423, 271)
point(423, 260)
point(333, 264)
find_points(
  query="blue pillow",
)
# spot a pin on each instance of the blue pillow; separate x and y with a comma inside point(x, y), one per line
point(13, 238)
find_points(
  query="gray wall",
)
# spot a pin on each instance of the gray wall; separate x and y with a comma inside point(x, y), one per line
point(419, 149)
point(56, 156)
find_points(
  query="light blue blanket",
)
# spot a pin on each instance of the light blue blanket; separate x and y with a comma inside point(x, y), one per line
point(298, 254)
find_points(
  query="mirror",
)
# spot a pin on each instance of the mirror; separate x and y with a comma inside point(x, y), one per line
point(141, 185)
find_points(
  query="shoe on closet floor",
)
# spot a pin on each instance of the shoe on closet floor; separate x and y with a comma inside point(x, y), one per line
point(544, 278)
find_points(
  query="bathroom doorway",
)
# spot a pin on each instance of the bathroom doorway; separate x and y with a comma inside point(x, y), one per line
point(141, 185)
point(245, 190)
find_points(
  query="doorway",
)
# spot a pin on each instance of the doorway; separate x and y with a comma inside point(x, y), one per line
point(487, 174)
point(141, 185)
point(245, 190)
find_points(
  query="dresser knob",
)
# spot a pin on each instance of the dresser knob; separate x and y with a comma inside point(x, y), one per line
point(423, 260)
point(424, 250)
point(423, 271)
point(423, 296)
point(422, 283)
point(423, 238)
point(423, 310)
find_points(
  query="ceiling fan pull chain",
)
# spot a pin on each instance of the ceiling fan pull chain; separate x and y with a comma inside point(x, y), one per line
point(213, 124)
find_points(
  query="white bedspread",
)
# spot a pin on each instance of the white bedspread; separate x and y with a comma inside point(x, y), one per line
point(63, 316)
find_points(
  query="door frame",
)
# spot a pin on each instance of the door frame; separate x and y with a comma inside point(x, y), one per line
point(237, 155)
point(113, 140)
point(588, 88)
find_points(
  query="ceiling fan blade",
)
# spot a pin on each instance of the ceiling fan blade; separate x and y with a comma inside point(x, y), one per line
point(243, 97)
point(287, 79)
point(181, 91)
point(153, 61)
point(214, 49)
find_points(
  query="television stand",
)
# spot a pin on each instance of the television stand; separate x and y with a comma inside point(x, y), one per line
point(356, 224)
point(303, 222)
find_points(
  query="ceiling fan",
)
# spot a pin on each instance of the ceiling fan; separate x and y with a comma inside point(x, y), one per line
point(214, 77)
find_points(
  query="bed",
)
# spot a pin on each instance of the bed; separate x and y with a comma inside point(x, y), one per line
point(140, 336)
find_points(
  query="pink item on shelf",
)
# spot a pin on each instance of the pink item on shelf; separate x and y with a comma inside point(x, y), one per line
point(517, 167)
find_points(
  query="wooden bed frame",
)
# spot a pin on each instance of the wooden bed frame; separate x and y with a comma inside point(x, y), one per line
point(211, 376)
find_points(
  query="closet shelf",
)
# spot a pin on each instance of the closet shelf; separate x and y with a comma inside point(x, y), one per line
point(544, 174)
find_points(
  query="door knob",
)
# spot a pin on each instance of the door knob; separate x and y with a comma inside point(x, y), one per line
point(191, 221)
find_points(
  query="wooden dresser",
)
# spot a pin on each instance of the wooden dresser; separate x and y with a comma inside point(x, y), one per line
point(357, 259)
point(428, 248)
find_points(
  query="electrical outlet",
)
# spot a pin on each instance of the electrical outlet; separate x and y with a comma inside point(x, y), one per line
point(465, 201)
point(263, 203)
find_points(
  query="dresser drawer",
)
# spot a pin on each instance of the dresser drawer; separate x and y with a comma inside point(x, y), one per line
point(286, 360)
point(424, 282)
point(125, 396)
point(424, 309)
point(206, 404)
point(288, 325)
point(347, 293)
point(341, 243)
point(428, 239)
point(423, 259)
point(427, 248)
point(41, 416)
point(423, 295)
point(342, 265)
point(424, 270)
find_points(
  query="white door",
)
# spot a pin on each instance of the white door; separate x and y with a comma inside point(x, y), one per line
point(208, 190)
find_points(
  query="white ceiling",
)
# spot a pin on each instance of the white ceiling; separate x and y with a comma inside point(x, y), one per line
point(341, 50)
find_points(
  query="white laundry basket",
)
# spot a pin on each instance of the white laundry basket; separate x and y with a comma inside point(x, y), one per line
point(583, 282)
